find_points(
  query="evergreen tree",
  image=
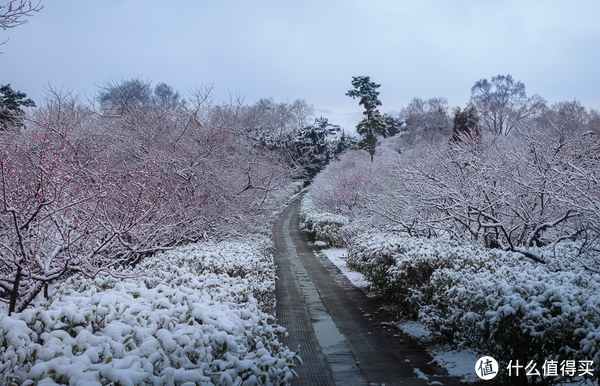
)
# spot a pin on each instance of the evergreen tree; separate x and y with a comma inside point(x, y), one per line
point(394, 125)
point(309, 149)
point(312, 150)
point(373, 123)
point(465, 123)
point(339, 145)
point(11, 113)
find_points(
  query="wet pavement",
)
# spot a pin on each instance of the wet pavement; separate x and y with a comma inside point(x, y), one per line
point(344, 337)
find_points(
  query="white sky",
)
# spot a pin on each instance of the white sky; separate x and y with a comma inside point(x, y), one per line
point(310, 49)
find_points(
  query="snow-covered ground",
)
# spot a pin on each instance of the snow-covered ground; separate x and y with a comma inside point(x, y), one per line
point(189, 316)
point(457, 363)
point(338, 257)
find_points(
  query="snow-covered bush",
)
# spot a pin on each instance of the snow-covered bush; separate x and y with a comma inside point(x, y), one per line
point(334, 229)
point(512, 308)
point(400, 267)
point(489, 300)
point(248, 260)
point(184, 317)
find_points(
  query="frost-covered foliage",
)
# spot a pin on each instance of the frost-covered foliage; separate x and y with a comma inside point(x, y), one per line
point(399, 266)
point(86, 190)
point(490, 300)
point(325, 226)
point(189, 317)
point(251, 260)
point(517, 194)
point(308, 148)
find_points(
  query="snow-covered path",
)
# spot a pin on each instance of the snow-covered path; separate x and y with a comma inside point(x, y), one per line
point(344, 339)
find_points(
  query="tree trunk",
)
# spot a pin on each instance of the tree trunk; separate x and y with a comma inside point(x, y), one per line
point(15, 292)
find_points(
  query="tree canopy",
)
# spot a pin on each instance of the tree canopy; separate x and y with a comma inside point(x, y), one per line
point(503, 104)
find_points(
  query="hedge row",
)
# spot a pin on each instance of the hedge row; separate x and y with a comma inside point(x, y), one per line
point(184, 317)
point(497, 303)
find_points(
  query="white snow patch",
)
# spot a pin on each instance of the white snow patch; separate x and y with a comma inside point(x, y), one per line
point(457, 363)
point(415, 329)
point(420, 374)
point(338, 257)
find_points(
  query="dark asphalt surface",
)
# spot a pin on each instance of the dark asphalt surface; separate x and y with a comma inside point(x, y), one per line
point(344, 338)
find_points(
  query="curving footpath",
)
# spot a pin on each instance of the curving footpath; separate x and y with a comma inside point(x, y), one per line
point(344, 338)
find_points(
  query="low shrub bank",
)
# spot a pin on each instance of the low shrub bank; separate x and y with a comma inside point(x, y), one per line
point(185, 317)
point(247, 260)
point(333, 229)
point(498, 303)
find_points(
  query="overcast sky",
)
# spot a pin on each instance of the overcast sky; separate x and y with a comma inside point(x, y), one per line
point(305, 49)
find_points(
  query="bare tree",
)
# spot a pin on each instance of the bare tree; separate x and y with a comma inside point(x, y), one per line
point(565, 118)
point(15, 13)
point(537, 189)
point(165, 96)
point(86, 192)
point(122, 97)
point(502, 103)
point(594, 121)
point(513, 194)
point(302, 111)
point(427, 121)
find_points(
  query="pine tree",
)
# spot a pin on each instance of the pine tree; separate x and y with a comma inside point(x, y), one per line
point(465, 123)
point(394, 125)
point(373, 122)
point(11, 113)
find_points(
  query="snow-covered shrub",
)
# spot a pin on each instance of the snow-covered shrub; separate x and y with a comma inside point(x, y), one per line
point(493, 301)
point(511, 308)
point(184, 317)
point(400, 267)
point(249, 260)
point(325, 226)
